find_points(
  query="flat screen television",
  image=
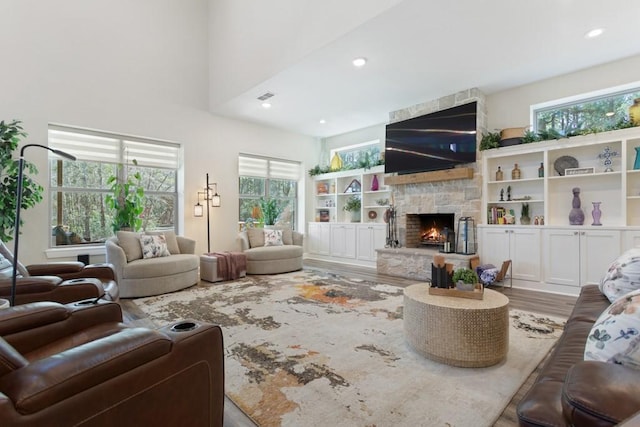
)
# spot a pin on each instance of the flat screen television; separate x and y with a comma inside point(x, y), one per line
point(435, 141)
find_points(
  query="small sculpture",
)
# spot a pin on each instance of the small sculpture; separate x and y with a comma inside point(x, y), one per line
point(509, 193)
point(606, 155)
point(502, 194)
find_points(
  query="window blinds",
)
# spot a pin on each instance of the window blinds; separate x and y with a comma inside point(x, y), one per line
point(103, 147)
point(265, 167)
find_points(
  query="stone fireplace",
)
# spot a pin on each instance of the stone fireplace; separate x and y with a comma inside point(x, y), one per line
point(428, 229)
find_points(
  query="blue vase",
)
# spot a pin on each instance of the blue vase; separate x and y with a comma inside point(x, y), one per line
point(636, 164)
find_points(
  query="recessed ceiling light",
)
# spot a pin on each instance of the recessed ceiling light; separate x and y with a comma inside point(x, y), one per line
point(266, 105)
point(594, 33)
point(322, 121)
point(609, 113)
point(359, 62)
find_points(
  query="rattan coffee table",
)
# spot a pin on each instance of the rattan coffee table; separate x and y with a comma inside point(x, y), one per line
point(457, 331)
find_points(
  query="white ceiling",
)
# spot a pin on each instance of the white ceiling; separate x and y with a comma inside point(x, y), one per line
point(417, 50)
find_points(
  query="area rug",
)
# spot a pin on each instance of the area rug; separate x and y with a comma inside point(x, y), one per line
point(315, 349)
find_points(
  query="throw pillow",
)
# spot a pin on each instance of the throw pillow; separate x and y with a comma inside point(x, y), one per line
point(6, 268)
point(153, 246)
point(287, 236)
point(22, 270)
point(129, 241)
point(256, 237)
point(615, 337)
point(172, 240)
point(623, 275)
point(273, 237)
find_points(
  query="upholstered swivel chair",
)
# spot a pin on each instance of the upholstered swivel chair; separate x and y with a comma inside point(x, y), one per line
point(61, 282)
point(79, 365)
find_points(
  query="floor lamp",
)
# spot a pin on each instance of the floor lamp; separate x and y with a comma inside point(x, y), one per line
point(209, 195)
point(16, 227)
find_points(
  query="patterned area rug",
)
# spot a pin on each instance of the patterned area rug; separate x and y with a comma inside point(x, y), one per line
point(315, 349)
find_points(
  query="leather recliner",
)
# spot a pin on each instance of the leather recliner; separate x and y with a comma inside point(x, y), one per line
point(61, 282)
point(79, 365)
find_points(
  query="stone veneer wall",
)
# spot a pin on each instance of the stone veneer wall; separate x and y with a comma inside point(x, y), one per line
point(461, 197)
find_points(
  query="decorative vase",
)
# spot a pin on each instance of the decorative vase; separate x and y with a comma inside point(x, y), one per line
point(525, 220)
point(576, 216)
point(499, 174)
point(374, 183)
point(634, 112)
point(596, 213)
point(515, 173)
point(355, 216)
point(541, 170)
point(462, 286)
point(336, 162)
point(636, 164)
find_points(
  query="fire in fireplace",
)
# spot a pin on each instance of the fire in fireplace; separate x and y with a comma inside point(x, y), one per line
point(428, 229)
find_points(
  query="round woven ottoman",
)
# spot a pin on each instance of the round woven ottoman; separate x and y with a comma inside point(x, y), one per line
point(457, 331)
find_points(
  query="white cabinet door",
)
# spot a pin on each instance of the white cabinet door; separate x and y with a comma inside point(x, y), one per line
point(631, 239)
point(494, 245)
point(579, 257)
point(343, 240)
point(319, 238)
point(598, 248)
point(562, 257)
point(526, 262)
point(520, 245)
point(370, 238)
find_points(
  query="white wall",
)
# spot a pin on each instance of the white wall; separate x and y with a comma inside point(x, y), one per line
point(133, 67)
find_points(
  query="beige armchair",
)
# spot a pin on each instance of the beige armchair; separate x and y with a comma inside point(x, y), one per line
point(279, 258)
point(139, 277)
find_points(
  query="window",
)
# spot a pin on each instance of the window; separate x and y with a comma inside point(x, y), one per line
point(356, 156)
point(593, 112)
point(264, 179)
point(79, 214)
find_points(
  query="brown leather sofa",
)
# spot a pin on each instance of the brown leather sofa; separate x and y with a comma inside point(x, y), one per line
point(79, 365)
point(63, 282)
point(572, 392)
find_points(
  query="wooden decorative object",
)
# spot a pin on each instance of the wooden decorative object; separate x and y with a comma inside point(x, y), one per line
point(477, 293)
point(443, 175)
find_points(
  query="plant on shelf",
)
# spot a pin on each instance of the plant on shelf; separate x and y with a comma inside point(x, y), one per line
point(353, 205)
point(126, 200)
point(490, 140)
point(525, 219)
point(465, 279)
point(10, 135)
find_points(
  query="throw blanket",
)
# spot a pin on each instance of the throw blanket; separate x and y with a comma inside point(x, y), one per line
point(231, 265)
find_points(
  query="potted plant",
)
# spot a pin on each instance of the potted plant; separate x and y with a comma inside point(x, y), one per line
point(465, 279)
point(10, 135)
point(490, 140)
point(353, 205)
point(126, 200)
point(525, 219)
point(270, 210)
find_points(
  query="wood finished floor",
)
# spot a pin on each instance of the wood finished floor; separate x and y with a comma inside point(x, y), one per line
point(539, 302)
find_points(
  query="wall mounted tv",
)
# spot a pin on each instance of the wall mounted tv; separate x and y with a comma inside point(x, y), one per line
point(435, 141)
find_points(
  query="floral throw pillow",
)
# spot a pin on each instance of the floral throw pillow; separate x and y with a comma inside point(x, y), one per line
point(623, 275)
point(273, 237)
point(615, 337)
point(153, 246)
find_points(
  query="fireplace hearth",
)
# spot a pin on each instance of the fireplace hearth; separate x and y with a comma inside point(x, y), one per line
point(428, 230)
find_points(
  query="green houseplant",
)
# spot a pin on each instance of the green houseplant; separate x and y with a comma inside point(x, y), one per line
point(270, 210)
point(465, 279)
point(126, 200)
point(353, 205)
point(10, 135)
